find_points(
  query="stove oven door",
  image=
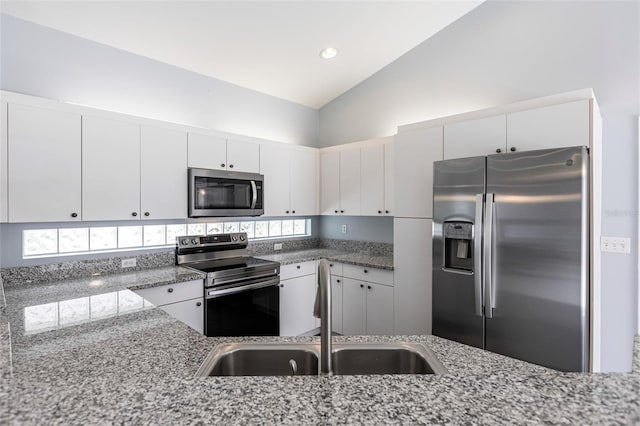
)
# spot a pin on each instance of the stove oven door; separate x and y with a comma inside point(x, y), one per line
point(251, 309)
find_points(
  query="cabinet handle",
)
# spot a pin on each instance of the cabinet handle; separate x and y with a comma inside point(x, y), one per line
point(512, 149)
point(231, 166)
point(369, 287)
point(147, 214)
point(74, 214)
point(170, 290)
point(361, 285)
point(198, 303)
point(134, 214)
point(222, 165)
point(498, 150)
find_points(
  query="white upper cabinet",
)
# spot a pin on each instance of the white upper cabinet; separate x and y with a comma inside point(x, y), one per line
point(389, 178)
point(4, 211)
point(110, 169)
point(476, 137)
point(554, 126)
point(243, 156)
point(163, 173)
point(218, 153)
point(330, 182)
point(207, 152)
point(274, 165)
point(350, 181)
point(304, 182)
point(372, 180)
point(415, 152)
point(44, 176)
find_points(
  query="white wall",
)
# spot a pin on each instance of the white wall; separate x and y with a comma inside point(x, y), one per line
point(504, 52)
point(39, 61)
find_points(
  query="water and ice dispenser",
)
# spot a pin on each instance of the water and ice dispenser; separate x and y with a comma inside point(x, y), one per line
point(458, 246)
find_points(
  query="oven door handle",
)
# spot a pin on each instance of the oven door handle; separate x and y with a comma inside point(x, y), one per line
point(210, 293)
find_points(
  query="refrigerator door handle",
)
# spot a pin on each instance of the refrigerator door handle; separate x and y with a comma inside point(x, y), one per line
point(477, 254)
point(487, 257)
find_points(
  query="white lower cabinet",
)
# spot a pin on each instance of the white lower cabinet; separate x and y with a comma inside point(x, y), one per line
point(297, 297)
point(336, 304)
point(354, 307)
point(184, 301)
point(190, 312)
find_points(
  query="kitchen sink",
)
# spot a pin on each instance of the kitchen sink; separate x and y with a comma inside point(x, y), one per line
point(288, 359)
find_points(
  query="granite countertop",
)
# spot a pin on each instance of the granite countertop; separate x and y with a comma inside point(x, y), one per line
point(138, 368)
point(359, 259)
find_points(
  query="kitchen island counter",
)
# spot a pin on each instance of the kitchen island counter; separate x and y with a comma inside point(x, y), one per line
point(138, 368)
point(359, 259)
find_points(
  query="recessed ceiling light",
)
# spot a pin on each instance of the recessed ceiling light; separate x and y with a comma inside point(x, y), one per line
point(328, 53)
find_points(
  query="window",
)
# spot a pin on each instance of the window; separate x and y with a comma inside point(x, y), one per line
point(72, 241)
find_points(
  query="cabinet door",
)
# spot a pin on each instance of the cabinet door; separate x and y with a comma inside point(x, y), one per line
point(243, 156)
point(297, 297)
point(415, 152)
point(44, 150)
point(350, 181)
point(388, 178)
point(190, 312)
point(379, 309)
point(412, 275)
point(163, 173)
point(354, 307)
point(274, 165)
point(110, 169)
point(476, 137)
point(207, 152)
point(304, 182)
point(336, 304)
point(372, 180)
point(549, 127)
point(3, 163)
point(330, 183)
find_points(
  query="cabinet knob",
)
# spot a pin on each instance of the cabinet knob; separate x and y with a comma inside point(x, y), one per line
point(222, 165)
point(74, 214)
point(147, 214)
point(365, 271)
point(293, 211)
point(281, 285)
point(379, 211)
point(170, 290)
point(369, 287)
point(198, 303)
point(341, 211)
point(498, 150)
point(231, 166)
point(386, 211)
point(298, 267)
point(331, 265)
point(337, 281)
point(287, 211)
point(512, 149)
point(335, 211)
point(361, 285)
point(134, 214)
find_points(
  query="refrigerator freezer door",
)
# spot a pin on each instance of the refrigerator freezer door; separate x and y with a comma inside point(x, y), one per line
point(540, 257)
point(458, 191)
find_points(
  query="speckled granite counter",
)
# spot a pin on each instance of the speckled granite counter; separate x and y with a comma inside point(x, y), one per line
point(138, 367)
point(372, 261)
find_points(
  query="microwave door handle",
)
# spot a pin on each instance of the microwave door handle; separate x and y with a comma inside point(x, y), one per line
point(254, 191)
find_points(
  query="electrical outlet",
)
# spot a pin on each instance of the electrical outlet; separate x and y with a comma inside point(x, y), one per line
point(615, 245)
point(277, 246)
point(344, 229)
point(129, 263)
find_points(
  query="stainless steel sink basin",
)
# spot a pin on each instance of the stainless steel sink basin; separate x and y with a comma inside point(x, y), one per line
point(287, 359)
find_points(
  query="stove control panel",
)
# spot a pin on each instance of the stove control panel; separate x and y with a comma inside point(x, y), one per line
point(212, 240)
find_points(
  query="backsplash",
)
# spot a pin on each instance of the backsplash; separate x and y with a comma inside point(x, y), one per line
point(362, 247)
point(266, 247)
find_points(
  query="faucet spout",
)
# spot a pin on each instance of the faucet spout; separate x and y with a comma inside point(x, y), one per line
point(322, 310)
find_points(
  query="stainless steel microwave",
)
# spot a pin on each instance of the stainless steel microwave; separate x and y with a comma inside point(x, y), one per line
point(215, 193)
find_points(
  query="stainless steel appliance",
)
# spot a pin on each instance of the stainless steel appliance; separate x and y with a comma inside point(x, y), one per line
point(510, 255)
point(242, 293)
point(221, 193)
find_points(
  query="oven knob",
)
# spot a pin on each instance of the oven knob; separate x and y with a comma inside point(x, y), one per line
point(194, 241)
point(234, 238)
point(185, 241)
point(241, 237)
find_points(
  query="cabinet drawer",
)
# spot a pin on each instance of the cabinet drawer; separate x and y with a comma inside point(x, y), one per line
point(297, 269)
point(172, 293)
point(368, 274)
point(335, 268)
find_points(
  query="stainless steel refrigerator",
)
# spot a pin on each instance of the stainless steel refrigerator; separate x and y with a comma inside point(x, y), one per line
point(511, 255)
